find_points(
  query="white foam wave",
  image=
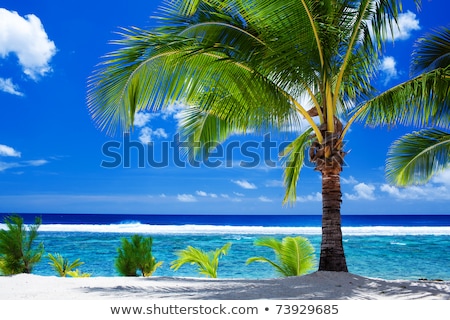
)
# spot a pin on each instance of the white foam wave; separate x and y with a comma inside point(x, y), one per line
point(211, 229)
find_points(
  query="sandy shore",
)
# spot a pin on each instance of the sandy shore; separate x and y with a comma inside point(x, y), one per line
point(315, 286)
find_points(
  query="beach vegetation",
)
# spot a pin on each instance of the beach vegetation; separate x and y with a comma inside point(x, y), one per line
point(19, 252)
point(294, 255)
point(63, 266)
point(207, 262)
point(258, 66)
point(78, 274)
point(416, 157)
point(135, 257)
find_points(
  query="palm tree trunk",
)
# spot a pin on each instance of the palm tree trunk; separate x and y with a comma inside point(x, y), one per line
point(332, 257)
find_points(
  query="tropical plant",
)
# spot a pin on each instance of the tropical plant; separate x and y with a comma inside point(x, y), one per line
point(294, 255)
point(78, 274)
point(207, 262)
point(417, 156)
point(18, 252)
point(256, 66)
point(62, 265)
point(136, 256)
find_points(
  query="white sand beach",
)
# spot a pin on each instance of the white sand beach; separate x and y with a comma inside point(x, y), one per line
point(315, 286)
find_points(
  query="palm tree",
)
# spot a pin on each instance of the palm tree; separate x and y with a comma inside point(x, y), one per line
point(207, 262)
point(136, 255)
point(417, 156)
point(63, 266)
point(295, 255)
point(18, 252)
point(255, 65)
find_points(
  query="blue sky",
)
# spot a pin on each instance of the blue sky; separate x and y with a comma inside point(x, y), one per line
point(51, 151)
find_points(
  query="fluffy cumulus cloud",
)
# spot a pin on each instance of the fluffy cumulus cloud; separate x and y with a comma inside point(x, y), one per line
point(442, 178)
point(438, 188)
point(7, 151)
point(25, 37)
point(429, 192)
point(362, 191)
point(146, 133)
point(244, 184)
point(388, 67)
point(407, 23)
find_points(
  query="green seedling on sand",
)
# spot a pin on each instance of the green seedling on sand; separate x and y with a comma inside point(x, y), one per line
point(136, 256)
point(207, 262)
point(295, 256)
point(18, 254)
point(63, 266)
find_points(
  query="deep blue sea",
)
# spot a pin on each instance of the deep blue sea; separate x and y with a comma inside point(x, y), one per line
point(381, 246)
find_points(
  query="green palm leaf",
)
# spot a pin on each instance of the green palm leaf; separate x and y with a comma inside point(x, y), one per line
point(432, 51)
point(295, 255)
point(293, 159)
point(417, 156)
point(63, 266)
point(207, 262)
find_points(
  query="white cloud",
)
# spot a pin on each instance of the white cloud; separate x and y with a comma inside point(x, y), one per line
point(443, 177)
point(160, 133)
point(315, 197)
point(205, 194)
point(6, 85)
point(8, 165)
point(350, 180)
point(244, 184)
point(6, 151)
point(388, 67)
point(239, 194)
point(141, 119)
point(146, 134)
point(407, 22)
point(174, 110)
point(362, 191)
point(186, 198)
point(30, 163)
point(274, 183)
point(264, 199)
point(428, 192)
point(35, 163)
point(26, 38)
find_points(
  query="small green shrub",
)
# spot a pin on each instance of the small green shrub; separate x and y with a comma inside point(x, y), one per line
point(207, 262)
point(18, 253)
point(63, 266)
point(136, 256)
point(295, 255)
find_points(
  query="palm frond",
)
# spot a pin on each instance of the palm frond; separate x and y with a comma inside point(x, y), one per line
point(295, 255)
point(207, 262)
point(421, 101)
point(293, 159)
point(416, 157)
point(432, 51)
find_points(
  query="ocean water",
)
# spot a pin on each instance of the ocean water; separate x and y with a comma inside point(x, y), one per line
point(389, 247)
